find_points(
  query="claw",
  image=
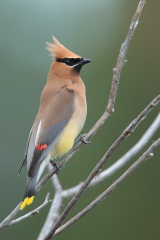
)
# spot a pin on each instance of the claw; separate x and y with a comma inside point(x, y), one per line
point(55, 165)
point(85, 141)
point(81, 138)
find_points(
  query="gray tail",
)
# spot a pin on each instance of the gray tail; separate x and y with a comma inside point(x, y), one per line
point(30, 192)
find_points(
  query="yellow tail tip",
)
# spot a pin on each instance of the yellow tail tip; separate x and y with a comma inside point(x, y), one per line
point(26, 201)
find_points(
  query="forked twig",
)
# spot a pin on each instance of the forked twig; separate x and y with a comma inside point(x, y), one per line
point(145, 156)
point(8, 221)
point(101, 163)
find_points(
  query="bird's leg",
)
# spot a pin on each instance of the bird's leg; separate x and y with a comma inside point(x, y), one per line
point(55, 165)
point(81, 138)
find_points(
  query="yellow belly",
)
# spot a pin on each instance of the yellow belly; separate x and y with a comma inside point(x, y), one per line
point(66, 140)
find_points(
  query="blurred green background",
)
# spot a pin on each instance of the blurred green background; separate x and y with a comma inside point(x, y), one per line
point(93, 29)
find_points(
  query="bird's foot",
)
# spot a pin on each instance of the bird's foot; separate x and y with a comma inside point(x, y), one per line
point(55, 165)
point(82, 138)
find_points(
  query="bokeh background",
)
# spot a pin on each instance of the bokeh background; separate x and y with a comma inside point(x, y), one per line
point(96, 30)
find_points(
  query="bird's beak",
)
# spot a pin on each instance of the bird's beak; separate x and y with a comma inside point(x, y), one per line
point(85, 61)
point(79, 65)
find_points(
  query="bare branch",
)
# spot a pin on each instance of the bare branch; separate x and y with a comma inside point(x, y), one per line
point(50, 220)
point(101, 163)
point(10, 217)
point(55, 181)
point(146, 155)
point(8, 221)
point(120, 162)
point(56, 205)
point(33, 212)
point(132, 152)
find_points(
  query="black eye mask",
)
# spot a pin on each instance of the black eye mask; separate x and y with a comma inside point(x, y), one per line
point(70, 61)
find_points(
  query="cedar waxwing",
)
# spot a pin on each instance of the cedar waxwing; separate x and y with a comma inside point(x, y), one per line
point(60, 118)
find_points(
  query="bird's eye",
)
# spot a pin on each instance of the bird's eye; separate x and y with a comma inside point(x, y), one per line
point(76, 60)
point(67, 61)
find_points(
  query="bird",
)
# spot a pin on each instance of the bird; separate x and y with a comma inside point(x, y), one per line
point(61, 115)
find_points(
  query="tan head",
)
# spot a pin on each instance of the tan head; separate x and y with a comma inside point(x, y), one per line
point(64, 56)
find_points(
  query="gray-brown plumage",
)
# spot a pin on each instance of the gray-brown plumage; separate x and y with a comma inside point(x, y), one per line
point(60, 118)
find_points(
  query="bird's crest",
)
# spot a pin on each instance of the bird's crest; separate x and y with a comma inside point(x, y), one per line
point(57, 50)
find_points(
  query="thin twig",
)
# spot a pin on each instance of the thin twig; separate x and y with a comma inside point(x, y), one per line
point(101, 163)
point(33, 212)
point(8, 220)
point(146, 155)
point(10, 217)
point(54, 210)
point(130, 154)
point(120, 162)
point(50, 220)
